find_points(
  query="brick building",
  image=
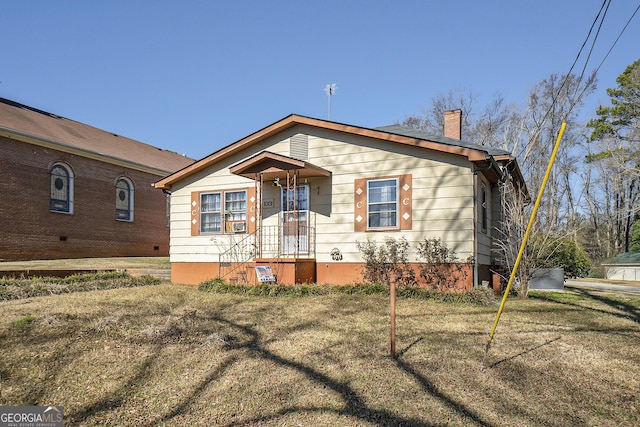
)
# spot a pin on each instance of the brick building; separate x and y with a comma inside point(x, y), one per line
point(69, 190)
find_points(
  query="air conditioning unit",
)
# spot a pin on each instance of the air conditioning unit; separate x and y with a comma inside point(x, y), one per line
point(240, 227)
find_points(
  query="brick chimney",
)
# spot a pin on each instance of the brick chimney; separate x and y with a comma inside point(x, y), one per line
point(453, 124)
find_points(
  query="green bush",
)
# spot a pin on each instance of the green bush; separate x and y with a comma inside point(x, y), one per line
point(361, 289)
point(635, 236)
point(554, 252)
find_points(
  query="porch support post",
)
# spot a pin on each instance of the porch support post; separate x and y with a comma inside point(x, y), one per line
point(259, 188)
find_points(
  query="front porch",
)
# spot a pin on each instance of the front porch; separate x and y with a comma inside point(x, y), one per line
point(286, 250)
point(284, 239)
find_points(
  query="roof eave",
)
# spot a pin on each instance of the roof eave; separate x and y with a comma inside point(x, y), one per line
point(293, 120)
point(59, 146)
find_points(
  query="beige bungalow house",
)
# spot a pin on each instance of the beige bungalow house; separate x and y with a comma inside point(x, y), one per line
point(293, 199)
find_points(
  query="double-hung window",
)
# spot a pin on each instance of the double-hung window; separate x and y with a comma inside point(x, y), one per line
point(235, 211)
point(382, 204)
point(223, 212)
point(210, 212)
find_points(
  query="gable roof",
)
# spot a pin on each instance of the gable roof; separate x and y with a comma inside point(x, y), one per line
point(482, 156)
point(34, 126)
point(272, 165)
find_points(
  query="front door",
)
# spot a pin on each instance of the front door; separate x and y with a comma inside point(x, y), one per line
point(294, 212)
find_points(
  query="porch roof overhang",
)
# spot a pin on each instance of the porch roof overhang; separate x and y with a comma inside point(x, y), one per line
point(271, 166)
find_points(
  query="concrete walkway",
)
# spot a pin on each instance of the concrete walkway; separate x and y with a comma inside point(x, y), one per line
point(628, 287)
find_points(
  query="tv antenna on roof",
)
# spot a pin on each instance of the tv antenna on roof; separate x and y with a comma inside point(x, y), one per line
point(330, 89)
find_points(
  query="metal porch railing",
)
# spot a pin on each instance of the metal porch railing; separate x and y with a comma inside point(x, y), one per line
point(273, 242)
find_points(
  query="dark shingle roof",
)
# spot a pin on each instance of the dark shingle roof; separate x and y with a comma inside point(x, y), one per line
point(419, 134)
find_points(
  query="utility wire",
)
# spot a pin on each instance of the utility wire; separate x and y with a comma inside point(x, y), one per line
point(611, 48)
point(593, 44)
point(618, 38)
point(604, 6)
point(556, 94)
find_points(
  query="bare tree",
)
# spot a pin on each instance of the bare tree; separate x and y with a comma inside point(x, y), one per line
point(616, 135)
point(529, 133)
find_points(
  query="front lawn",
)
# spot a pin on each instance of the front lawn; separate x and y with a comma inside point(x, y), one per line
point(174, 355)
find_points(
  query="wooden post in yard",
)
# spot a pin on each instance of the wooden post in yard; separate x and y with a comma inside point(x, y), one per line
point(392, 293)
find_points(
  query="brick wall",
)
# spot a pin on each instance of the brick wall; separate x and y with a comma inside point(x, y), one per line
point(29, 230)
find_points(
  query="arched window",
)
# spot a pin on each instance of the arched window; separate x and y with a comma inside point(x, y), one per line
point(61, 189)
point(124, 200)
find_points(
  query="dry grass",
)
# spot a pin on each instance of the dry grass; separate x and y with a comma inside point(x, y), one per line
point(171, 355)
point(88, 264)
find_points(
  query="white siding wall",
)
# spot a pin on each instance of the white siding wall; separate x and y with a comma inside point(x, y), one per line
point(442, 195)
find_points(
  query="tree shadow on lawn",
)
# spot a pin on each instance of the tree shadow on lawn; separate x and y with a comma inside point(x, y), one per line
point(430, 387)
point(248, 340)
point(629, 311)
point(354, 404)
point(118, 397)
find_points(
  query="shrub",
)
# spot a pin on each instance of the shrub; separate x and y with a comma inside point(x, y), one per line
point(361, 289)
point(555, 252)
point(388, 261)
point(441, 268)
point(214, 285)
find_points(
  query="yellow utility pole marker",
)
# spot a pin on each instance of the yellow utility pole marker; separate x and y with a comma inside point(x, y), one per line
point(523, 245)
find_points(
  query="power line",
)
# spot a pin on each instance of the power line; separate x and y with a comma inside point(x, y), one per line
point(554, 96)
point(618, 38)
point(611, 48)
point(593, 44)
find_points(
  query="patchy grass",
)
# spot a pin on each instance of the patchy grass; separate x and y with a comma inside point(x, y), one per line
point(87, 264)
point(24, 322)
point(38, 286)
point(173, 355)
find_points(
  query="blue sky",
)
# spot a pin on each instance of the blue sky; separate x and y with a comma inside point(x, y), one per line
point(195, 76)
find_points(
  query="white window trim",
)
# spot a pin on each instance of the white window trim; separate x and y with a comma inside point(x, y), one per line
point(222, 211)
point(397, 202)
point(206, 193)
